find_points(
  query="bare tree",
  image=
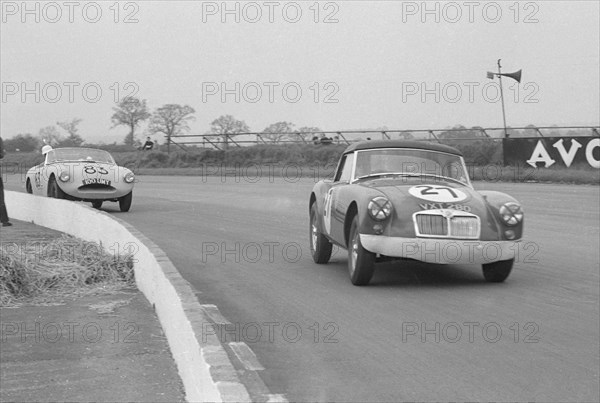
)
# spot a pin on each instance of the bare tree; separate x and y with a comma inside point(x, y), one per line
point(227, 126)
point(171, 120)
point(50, 135)
point(130, 112)
point(22, 142)
point(278, 131)
point(74, 139)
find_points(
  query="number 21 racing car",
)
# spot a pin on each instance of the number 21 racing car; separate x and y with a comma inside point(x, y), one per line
point(411, 200)
point(84, 174)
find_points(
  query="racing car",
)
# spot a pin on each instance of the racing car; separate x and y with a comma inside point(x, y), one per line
point(84, 174)
point(400, 199)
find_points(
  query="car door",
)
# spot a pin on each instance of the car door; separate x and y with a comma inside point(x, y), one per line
point(334, 211)
point(36, 179)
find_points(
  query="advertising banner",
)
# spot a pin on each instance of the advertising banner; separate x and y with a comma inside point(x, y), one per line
point(546, 152)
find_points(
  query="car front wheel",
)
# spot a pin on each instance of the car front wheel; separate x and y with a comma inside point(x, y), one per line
point(97, 204)
point(28, 187)
point(361, 262)
point(497, 272)
point(320, 247)
point(54, 190)
point(125, 202)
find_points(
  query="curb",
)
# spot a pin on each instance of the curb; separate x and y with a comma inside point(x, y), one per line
point(202, 362)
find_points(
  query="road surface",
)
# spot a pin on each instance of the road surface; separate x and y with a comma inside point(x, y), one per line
point(417, 332)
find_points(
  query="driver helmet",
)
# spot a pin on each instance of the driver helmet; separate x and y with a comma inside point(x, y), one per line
point(46, 149)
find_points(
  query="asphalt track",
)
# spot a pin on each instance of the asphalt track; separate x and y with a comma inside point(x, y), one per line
point(417, 332)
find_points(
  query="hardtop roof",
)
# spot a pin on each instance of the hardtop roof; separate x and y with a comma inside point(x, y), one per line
point(421, 145)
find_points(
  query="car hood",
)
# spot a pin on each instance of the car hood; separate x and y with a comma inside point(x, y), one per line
point(416, 194)
point(411, 195)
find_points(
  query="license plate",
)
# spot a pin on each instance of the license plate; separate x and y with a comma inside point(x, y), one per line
point(96, 181)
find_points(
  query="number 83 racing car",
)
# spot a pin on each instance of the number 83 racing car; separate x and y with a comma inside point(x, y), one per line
point(394, 199)
point(84, 174)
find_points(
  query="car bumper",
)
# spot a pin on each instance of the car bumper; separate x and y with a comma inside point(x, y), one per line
point(442, 251)
point(104, 194)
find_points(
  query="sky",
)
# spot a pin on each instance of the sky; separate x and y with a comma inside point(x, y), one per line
point(336, 65)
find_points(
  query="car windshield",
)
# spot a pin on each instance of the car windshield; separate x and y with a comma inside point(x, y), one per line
point(410, 162)
point(80, 154)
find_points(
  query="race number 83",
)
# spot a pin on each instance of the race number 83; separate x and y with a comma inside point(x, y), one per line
point(90, 170)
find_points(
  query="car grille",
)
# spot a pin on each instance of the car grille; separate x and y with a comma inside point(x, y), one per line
point(95, 188)
point(432, 224)
point(436, 224)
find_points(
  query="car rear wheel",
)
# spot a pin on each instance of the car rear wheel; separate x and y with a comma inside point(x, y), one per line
point(97, 204)
point(361, 262)
point(497, 272)
point(125, 202)
point(54, 190)
point(28, 187)
point(320, 247)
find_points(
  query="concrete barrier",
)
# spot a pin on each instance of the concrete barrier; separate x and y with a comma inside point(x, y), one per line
point(202, 362)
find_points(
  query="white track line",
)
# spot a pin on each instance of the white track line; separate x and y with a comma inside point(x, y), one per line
point(246, 356)
point(213, 312)
point(278, 398)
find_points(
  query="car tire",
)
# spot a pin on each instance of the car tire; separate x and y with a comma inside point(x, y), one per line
point(361, 262)
point(125, 202)
point(97, 204)
point(320, 247)
point(28, 187)
point(497, 272)
point(54, 190)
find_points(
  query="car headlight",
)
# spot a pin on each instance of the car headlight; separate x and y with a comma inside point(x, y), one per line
point(64, 176)
point(511, 213)
point(129, 177)
point(380, 208)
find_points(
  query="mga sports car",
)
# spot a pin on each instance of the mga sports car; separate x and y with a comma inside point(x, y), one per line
point(394, 199)
point(84, 174)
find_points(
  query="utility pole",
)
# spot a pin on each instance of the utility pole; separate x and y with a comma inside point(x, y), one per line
point(502, 99)
point(515, 76)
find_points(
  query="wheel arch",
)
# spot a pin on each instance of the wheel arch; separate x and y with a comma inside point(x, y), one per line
point(350, 214)
point(51, 178)
point(313, 199)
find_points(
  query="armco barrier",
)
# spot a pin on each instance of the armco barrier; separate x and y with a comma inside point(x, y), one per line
point(203, 365)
